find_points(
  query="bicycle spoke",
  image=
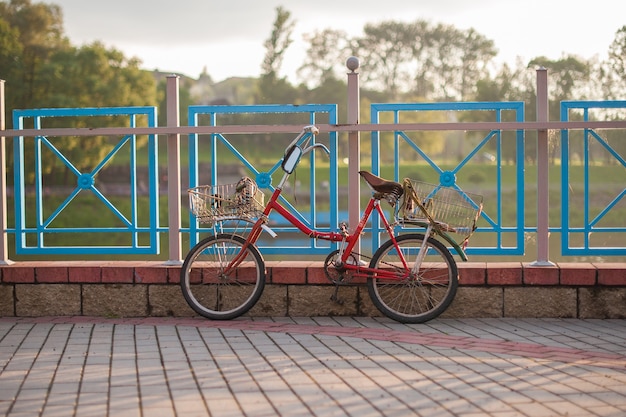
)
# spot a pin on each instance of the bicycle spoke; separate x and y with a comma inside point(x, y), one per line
point(420, 297)
point(222, 277)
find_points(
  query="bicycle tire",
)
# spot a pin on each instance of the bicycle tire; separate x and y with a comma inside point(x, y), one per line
point(417, 298)
point(215, 293)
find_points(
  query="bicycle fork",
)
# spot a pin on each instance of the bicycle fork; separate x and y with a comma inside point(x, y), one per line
point(253, 236)
point(422, 252)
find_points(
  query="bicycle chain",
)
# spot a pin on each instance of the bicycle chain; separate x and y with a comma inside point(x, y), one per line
point(338, 275)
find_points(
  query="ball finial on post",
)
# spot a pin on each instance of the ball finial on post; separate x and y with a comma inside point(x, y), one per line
point(352, 63)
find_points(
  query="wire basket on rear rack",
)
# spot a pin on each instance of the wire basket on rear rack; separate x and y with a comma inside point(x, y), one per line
point(211, 203)
point(450, 209)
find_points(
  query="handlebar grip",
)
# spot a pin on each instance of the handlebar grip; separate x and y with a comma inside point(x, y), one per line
point(312, 129)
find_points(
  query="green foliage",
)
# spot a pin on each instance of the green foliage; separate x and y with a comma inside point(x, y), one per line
point(42, 70)
point(326, 49)
point(566, 74)
point(614, 77)
point(270, 86)
point(438, 61)
point(32, 34)
point(80, 77)
point(278, 42)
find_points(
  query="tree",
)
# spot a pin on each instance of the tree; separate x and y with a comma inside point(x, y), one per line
point(10, 50)
point(457, 60)
point(617, 65)
point(328, 49)
point(272, 88)
point(436, 62)
point(566, 75)
point(93, 75)
point(445, 58)
point(420, 44)
point(42, 69)
point(32, 32)
point(477, 52)
point(278, 42)
point(386, 53)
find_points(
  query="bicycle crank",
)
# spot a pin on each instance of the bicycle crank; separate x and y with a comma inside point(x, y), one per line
point(337, 273)
point(335, 270)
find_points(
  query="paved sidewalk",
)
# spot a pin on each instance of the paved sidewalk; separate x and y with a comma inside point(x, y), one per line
point(344, 366)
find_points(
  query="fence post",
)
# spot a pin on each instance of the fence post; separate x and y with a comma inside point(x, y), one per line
point(173, 171)
point(354, 147)
point(543, 180)
point(4, 242)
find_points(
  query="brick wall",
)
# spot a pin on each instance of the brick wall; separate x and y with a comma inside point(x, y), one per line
point(138, 289)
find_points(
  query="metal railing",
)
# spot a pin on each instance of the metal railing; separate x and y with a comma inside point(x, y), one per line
point(305, 114)
point(207, 128)
point(452, 176)
point(35, 226)
point(603, 215)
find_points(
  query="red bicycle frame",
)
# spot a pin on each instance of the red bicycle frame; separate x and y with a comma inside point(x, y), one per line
point(351, 239)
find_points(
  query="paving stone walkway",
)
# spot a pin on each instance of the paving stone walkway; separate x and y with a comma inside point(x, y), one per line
point(320, 366)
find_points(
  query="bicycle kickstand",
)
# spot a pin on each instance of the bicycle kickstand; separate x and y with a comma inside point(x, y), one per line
point(334, 296)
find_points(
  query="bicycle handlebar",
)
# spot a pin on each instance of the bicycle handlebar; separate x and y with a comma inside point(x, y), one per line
point(299, 146)
point(317, 145)
point(312, 129)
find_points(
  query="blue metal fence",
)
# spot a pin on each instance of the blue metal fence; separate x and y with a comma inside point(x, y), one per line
point(291, 240)
point(600, 216)
point(35, 229)
point(35, 226)
point(492, 221)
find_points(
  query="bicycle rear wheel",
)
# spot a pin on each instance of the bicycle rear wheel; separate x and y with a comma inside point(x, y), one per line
point(410, 297)
point(220, 279)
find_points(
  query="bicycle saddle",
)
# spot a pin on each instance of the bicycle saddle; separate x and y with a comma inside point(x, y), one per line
point(383, 186)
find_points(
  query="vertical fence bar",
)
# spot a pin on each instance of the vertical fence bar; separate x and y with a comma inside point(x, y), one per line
point(543, 180)
point(173, 171)
point(4, 243)
point(354, 147)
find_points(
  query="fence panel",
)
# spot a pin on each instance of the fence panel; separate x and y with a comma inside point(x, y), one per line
point(415, 155)
point(41, 211)
point(592, 182)
point(231, 150)
point(592, 170)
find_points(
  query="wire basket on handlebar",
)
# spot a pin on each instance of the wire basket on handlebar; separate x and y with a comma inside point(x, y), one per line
point(209, 203)
point(451, 210)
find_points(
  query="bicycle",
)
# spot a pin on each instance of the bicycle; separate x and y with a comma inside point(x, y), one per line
point(411, 278)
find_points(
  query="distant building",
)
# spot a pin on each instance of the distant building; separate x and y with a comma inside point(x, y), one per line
point(204, 91)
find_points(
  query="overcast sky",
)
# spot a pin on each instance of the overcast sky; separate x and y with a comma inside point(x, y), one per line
point(227, 36)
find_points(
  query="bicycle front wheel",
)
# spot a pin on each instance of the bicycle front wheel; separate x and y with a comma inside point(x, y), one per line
point(412, 294)
point(220, 279)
